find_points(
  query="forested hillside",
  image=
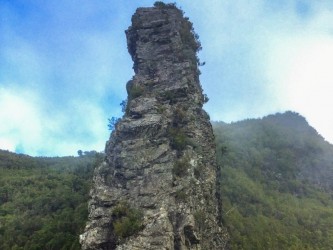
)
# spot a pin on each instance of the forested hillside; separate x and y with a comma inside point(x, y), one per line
point(43, 201)
point(277, 177)
point(276, 187)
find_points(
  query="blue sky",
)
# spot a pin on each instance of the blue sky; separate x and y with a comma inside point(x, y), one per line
point(64, 65)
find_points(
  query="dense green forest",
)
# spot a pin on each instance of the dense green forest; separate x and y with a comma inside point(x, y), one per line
point(43, 201)
point(276, 183)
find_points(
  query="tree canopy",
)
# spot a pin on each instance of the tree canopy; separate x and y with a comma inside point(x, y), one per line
point(43, 201)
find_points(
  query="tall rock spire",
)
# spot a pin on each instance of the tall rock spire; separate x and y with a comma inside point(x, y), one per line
point(156, 188)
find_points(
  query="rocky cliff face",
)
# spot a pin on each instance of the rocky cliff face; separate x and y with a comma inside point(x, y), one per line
point(156, 188)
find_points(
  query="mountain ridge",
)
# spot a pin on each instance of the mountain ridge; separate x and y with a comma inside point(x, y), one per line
point(276, 183)
point(282, 127)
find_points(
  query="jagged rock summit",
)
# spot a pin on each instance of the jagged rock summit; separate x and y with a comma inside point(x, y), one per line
point(156, 188)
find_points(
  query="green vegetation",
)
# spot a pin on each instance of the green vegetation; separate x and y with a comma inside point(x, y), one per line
point(200, 217)
point(206, 98)
point(124, 106)
point(178, 138)
point(112, 123)
point(127, 220)
point(191, 43)
point(162, 5)
point(180, 195)
point(180, 167)
point(134, 92)
point(171, 96)
point(43, 201)
point(276, 183)
point(189, 37)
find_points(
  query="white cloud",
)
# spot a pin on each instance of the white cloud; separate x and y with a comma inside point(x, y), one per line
point(19, 119)
point(27, 128)
point(300, 67)
point(54, 76)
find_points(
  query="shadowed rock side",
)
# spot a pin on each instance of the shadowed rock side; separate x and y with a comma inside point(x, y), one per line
point(156, 188)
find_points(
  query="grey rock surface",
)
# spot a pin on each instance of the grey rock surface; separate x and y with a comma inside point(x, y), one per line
point(160, 159)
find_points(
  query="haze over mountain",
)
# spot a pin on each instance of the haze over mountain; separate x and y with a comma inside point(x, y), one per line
point(276, 182)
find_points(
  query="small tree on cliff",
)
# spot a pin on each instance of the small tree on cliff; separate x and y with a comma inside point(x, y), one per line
point(113, 122)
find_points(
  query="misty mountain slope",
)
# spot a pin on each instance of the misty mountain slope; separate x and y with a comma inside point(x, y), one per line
point(276, 183)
